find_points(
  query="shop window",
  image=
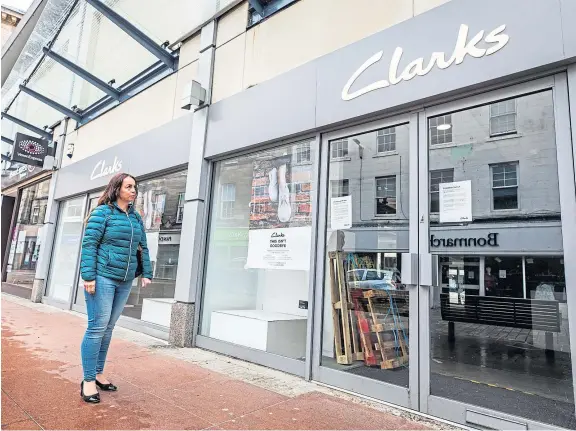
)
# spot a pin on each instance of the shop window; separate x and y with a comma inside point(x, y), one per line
point(436, 178)
point(257, 264)
point(180, 212)
point(386, 140)
point(505, 186)
point(26, 239)
point(228, 200)
point(441, 129)
point(35, 214)
point(503, 117)
point(386, 195)
point(260, 9)
point(302, 153)
point(503, 276)
point(339, 149)
point(67, 245)
point(340, 188)
point(160, 204)
point(545, 278)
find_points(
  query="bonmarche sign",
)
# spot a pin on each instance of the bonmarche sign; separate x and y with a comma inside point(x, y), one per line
point(491, 241)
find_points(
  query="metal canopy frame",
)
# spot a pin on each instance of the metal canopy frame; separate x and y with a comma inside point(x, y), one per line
point(66, 111)
point(7, 140)
point(131, 30)
point(82, 73)
point(257, 6)
point(168, 62)
point(31, 127)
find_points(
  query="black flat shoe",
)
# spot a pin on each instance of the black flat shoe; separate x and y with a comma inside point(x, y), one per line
point(94, 399)
point(107, 387)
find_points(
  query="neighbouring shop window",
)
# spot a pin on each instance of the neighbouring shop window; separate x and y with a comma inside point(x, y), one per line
point(160, 204)
point(386, 140)
point(545, 278)
point(366, 248)
point(436, 178)
point(265, 8)
point(302, 153)
point(180, 213)
point(258, 262)
point(386, 195)
point(228, 200)
point(67, 244)
point(340, 188)
point(26, 239)
point(339, 149)
point(503, 117)
point(459, 277)
point(503, 276)
point(505, 186)
point(441, 129)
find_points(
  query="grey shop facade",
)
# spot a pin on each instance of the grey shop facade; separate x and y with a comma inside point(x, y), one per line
point(162, 183)
point(398, 223)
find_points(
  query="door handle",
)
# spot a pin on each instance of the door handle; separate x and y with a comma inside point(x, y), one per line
point(428, 269)
point(409, 268)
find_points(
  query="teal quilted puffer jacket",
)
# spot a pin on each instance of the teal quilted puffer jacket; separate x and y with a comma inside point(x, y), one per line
point(111, 242)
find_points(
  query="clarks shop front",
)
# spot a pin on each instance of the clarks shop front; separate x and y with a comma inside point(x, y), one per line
point(406, 208)
point(155, 159)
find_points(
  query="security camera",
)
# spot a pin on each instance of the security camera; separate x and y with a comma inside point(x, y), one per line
point(70, 150)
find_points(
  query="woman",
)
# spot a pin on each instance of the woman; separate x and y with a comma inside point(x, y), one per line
point(114, 233)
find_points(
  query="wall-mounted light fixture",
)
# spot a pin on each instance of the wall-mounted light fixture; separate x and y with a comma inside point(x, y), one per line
point(194, 95)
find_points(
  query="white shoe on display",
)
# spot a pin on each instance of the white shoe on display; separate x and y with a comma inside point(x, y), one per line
point(148, 221)
point(273, 185)
point(284, 208)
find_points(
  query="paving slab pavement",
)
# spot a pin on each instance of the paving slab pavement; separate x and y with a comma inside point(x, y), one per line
point(162, 387)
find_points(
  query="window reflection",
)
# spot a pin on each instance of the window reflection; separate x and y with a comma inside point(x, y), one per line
point(498, 323)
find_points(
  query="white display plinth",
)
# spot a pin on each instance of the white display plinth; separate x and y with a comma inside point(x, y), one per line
point(278, 333)
point(157, 310)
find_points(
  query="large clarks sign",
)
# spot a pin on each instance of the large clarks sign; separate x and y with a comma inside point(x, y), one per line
point(103, 170)
point(496, 40)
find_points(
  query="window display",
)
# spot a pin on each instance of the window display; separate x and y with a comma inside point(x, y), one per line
point(258, 259)
point(366, 305)
point(160, 203)
point(26, 239)
point(67, 245)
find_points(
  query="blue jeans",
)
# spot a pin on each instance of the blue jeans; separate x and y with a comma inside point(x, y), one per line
point(104, 309)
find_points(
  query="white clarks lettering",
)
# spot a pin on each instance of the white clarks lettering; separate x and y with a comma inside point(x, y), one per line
point(464, 47)
point(101, 170)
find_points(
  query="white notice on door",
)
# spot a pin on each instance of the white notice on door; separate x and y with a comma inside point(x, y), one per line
point(456, 202)
point(341, 213)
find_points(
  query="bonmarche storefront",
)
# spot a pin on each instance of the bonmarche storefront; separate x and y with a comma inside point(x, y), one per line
point(405, 213)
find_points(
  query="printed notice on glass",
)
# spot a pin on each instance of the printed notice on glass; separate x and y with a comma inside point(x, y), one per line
point(341, 213)
point(279, 248)
point(456, 202)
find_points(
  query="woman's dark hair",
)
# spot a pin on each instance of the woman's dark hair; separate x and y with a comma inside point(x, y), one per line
point(112, 191)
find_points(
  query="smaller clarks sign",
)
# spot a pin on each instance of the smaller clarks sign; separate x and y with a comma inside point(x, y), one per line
point(29, 150)
point(491, 240)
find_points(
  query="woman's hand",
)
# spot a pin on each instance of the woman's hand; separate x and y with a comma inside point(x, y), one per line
point(90, 286)
point(146, 281)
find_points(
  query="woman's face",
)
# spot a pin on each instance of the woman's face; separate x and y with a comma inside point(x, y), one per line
point(128, 190)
